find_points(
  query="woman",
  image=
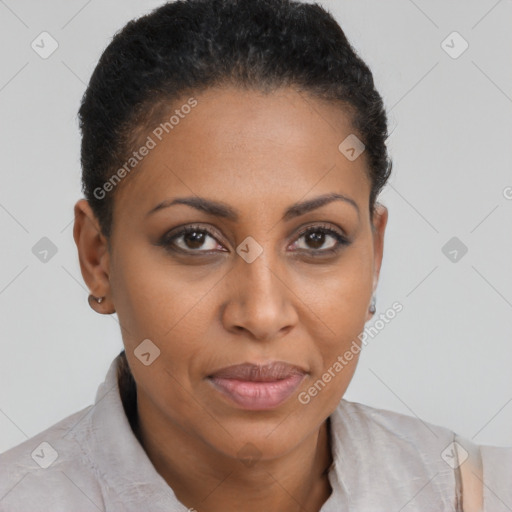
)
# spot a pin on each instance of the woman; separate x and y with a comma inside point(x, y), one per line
point(232, 156)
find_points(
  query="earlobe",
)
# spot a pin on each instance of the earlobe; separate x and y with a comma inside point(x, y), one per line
point(93, 252)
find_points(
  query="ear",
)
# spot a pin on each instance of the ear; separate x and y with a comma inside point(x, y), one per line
point(93, 254)
point(380, 220)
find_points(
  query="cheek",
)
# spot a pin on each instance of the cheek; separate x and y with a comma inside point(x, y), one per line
point(162, 302)
point(339, 294)
point(339, 319)
point(339, 303)
point(149, 293)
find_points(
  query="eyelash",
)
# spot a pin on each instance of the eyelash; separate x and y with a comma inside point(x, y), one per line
point(167, 241)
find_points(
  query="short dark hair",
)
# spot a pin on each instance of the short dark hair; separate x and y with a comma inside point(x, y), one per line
point(186, 46)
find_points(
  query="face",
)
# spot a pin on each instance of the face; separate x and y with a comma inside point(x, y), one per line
point(255, 286)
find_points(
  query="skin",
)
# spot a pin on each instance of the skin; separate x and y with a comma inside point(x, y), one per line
point(259, 154)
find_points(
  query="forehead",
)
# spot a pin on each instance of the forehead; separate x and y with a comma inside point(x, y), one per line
point(246, 148)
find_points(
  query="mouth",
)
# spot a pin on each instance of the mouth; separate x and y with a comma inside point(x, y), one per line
point(258, 387)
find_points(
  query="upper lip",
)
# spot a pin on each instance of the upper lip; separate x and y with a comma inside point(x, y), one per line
point(275, 370)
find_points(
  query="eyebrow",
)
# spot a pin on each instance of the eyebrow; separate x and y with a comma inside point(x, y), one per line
point(219, 209)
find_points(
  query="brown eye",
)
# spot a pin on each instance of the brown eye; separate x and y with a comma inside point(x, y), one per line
point(191, 239)
point(319, 239)
point(194, 239)
point(316, 239)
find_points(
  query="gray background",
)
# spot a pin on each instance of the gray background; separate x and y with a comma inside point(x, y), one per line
point(445, 358)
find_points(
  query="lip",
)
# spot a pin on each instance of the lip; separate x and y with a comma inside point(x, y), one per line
point(258, 386)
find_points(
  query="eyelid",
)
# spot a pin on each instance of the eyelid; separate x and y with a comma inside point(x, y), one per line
point(179, 231)
point(342, 239)
point(324, 225)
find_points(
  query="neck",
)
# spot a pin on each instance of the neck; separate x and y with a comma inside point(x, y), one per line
point(209, 481)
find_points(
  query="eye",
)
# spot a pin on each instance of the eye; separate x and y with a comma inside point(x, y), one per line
point(200, 239)
point(190, 239)
point(316, 237)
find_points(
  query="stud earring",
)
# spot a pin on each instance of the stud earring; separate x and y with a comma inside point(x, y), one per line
point(98, 300)
point(372, 307)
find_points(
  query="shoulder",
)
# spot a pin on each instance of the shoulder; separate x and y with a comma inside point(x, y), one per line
point(52, 460)
point(477, 475)
point(394, 458)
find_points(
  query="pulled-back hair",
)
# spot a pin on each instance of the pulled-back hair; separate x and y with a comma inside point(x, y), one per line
point(186, 46)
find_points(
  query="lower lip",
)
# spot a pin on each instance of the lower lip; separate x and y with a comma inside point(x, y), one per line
point(256, 396)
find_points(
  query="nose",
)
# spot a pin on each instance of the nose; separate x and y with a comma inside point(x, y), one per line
point(260, 301)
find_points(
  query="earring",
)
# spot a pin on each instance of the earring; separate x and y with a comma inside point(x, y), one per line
point(98, 300)
point(372, 307)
